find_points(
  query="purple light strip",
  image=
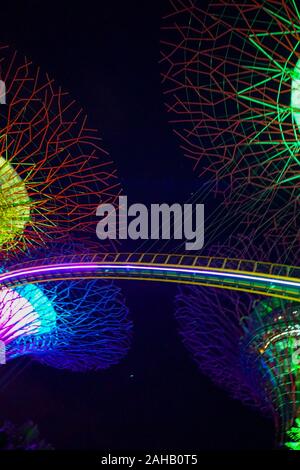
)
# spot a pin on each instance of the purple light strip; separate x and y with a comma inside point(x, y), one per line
point(114, 267)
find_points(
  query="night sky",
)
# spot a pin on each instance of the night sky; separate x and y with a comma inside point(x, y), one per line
point(155, 399)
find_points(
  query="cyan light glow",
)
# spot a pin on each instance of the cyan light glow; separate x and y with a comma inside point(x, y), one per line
point(24, 311)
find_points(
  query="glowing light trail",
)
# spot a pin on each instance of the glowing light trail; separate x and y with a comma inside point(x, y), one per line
point(278, 286)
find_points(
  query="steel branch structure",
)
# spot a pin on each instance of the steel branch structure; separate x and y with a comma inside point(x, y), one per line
point(230, 73)
point(231, 77)
point(53, 169)
point(79, 325)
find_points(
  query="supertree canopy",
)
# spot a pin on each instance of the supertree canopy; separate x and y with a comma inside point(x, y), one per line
point(53, 171)
point(231, 78)
point(77, 325)
point(53, 175)
point(247, 344)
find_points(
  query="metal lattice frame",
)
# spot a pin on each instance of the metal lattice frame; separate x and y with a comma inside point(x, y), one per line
point(60, 169)
point(246, 343)
point(231, 79)
point(77, 325)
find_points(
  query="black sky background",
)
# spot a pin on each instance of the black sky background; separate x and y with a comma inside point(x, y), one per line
point(106, 55)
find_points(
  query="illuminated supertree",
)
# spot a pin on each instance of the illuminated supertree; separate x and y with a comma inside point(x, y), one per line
point(77, 325)
point(231, 77)
point(53, 172)
point(231, 72)
point(248, 344)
